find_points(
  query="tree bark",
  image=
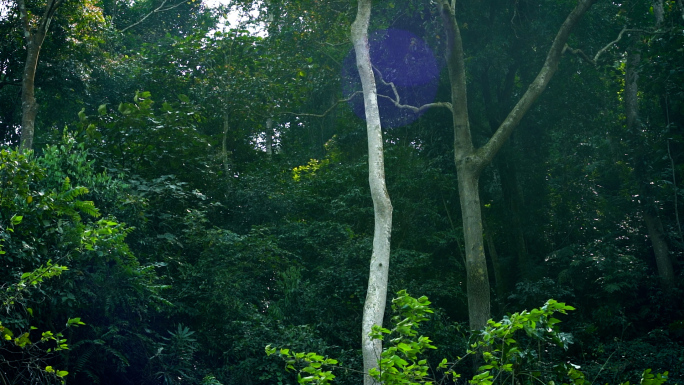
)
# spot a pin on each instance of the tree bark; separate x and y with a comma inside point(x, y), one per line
point(510, 188)
point(470, 162)
point(269, 137)
point(376, 296)
point(29, 106)
point(499, 283)
point(658, 12)
point(34, 36)
point(224, 146)
point(654, 227)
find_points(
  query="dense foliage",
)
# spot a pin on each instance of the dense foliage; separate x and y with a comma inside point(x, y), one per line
point(198, 192)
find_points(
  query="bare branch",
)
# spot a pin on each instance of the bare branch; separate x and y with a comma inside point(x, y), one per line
point(579, 53)
point(160, 8)
point(602, 50)
point(323, 115)
point(593, 61)
point(415, 109)
point(397, 99)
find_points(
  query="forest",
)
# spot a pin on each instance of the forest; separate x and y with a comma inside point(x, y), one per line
point(386, 192)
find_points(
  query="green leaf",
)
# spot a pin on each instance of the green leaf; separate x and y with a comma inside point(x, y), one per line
point(75, 322)
point(16, 219)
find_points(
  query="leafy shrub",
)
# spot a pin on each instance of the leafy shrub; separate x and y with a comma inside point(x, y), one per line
point(497, 345)
point(45, 218)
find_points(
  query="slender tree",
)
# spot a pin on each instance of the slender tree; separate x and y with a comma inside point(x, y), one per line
point(374, 307)
point(654, 225)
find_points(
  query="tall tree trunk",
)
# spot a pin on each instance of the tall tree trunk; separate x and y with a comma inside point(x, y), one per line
point(654, 227)
point(34, 36)
point(269, 137)
point(29, 106)
point(499, 283)
point(658, 12)
point(470, 161)
point(376, 297)
point(510, 188)
point(224, 146)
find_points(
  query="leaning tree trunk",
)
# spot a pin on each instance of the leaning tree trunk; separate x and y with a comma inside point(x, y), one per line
point(470, 161)
point(34, 36)
point(374, 307)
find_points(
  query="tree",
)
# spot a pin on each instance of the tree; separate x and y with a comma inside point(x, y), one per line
point(470, 161)
point(376, 297)
point(34, 36)
point(654, 225)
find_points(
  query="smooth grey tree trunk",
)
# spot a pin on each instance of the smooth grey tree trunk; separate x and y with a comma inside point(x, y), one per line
point(376, 296)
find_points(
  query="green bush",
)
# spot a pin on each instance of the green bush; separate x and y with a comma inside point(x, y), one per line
point(498, 346)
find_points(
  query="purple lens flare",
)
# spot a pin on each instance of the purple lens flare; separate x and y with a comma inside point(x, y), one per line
point(401, 58)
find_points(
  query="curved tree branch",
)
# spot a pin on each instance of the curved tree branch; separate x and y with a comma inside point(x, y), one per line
point(160, 8)
point(486, 153)
point(600, 52)
point(397, 99)
point(324, 114)
point(415, 109)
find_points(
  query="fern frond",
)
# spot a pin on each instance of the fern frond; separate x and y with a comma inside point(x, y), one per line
point(73, 193)
point(87, 207)
point(123, 361)
point(83, 358)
